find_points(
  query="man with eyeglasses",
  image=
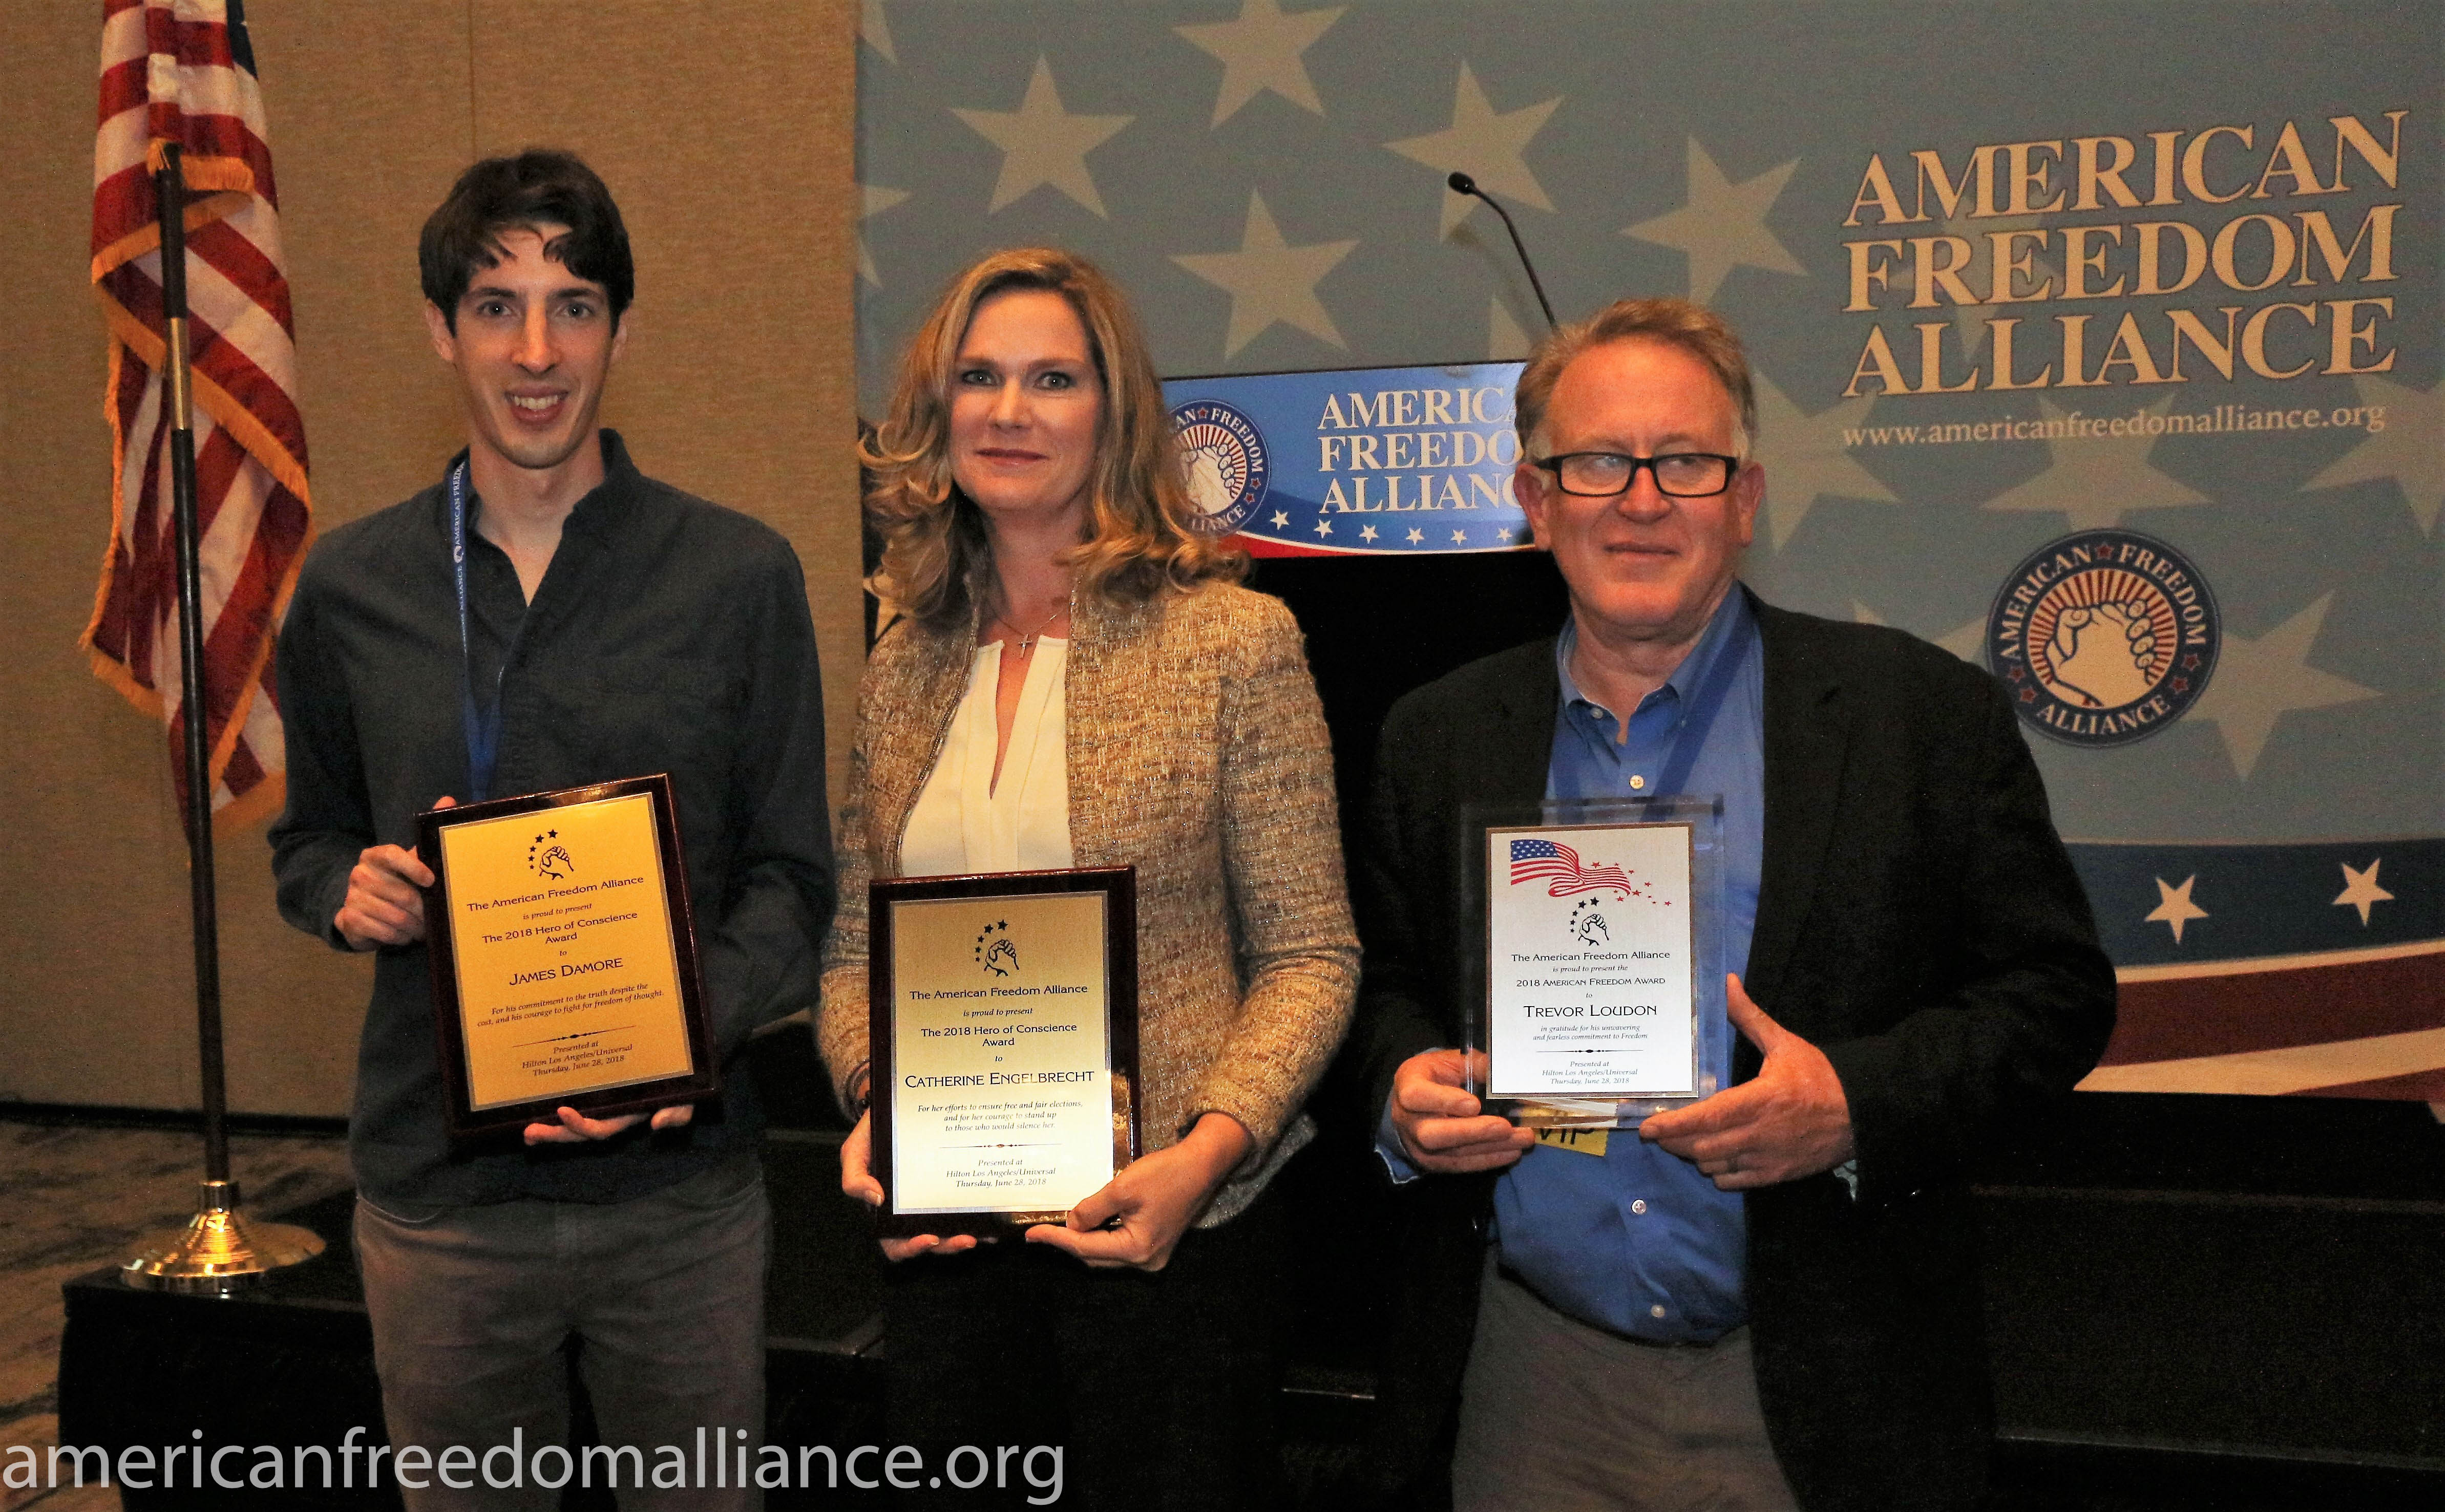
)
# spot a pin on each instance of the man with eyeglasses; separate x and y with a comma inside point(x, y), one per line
point(1766, 1299)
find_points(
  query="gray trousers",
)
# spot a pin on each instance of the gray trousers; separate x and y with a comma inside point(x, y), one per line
point(1556, 1416)
point(664, 1294)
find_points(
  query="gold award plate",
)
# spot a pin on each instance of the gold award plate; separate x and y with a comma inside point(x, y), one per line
point(1005, 1037)
point(564, 959)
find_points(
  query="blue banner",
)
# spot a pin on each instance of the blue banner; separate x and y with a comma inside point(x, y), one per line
point(1369, 459)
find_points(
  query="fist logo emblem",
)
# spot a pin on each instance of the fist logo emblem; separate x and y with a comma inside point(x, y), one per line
point(2103, 655)
point(2105, 638)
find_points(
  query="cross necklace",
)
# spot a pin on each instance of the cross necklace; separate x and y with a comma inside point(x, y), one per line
point(1027, 639)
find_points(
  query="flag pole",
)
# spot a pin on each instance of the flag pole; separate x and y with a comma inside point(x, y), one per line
point(217, 1253)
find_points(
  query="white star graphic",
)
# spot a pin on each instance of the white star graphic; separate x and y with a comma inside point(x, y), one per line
point(1485, 144)
point(2411, 449)
point(1804, 458)
point(2361, 889)
point(1281, 520)
point(1260, 51)
point(1270, 280)
point(2175, 908)
point(1324, 527)
point(876, 31)
point(1459, 537)
point(1723, 225)
point(1367, 533)
point(876, 200)
point(2097, 479)
point(1041, 144)
point(2257, 682)
point(1502, 533)
point(1415, 536)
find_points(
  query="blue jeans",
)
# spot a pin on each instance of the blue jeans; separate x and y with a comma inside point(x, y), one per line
point(665, 1295)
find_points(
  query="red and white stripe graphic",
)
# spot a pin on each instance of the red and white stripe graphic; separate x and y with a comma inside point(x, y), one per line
point(2347, 1023)
point(182, 72)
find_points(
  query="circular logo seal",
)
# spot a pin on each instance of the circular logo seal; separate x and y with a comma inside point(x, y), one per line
point(2104, 636)
point(1223, 462)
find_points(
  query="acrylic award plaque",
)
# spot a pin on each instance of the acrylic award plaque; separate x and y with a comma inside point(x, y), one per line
point(1602, 959)
point(1003, 1037)
point(563, 957)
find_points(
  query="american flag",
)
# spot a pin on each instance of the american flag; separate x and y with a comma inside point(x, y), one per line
point(183, 71)
point(1534, 860)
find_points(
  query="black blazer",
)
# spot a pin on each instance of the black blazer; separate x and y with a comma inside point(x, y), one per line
point(1918, 920)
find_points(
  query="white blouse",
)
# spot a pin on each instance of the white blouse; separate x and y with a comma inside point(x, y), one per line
point(962, 822)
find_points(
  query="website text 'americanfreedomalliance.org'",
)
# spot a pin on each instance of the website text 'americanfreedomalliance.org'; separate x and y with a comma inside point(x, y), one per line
point(360, 1458)
point(2224, 420)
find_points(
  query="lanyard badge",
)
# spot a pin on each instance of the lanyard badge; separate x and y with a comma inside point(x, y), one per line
point(482, 726)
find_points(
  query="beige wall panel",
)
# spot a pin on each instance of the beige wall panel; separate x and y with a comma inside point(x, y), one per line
point(726, 130)
point(370, 122)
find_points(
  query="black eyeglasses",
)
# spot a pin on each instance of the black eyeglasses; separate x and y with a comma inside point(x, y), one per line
point(1680, 475)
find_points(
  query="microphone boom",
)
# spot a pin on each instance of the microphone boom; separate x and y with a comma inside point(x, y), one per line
point(1462, 184)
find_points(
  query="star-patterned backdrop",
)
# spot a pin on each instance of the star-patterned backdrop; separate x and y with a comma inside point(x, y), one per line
point(1266, 177)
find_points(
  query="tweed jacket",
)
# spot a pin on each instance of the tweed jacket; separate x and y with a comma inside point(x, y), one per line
point(1197, 754)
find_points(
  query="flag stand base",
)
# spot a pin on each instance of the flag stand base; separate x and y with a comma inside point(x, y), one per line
point(217, 1254)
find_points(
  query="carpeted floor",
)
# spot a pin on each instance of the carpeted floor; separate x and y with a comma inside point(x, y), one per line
point(74, 1197)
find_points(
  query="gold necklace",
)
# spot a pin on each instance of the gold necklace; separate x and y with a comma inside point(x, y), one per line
point(1027, 639)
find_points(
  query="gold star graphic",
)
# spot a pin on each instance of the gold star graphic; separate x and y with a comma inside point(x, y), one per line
point(2097, 479)
point(1504, 341)
point(2410, 450)
point(876, 31)
point(2361, 889)
point(1484, 143)
point(1260, 51)
point(2257, 682)
point(1041, 144)
point(1723, 225)
point(1805, 459)
point(1270, 281)
point(2175, 908)
point(1978, 271)
point(875, 202)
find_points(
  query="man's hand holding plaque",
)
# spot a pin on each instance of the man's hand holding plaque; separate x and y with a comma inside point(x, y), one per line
point(385, 901)
point(1442, 1125)
point(1791, 1120)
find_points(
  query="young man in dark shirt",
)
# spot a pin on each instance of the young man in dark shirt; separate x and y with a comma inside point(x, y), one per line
point(583, 623)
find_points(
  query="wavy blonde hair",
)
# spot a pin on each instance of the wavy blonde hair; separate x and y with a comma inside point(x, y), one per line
point(937, 559)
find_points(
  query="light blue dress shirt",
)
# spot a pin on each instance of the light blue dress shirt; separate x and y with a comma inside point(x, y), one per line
point(1637, 1241)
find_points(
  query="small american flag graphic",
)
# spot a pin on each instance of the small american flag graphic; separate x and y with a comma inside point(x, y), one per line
point(1542, 860)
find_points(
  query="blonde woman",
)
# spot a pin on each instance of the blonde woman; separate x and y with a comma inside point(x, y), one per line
point(1075, 678)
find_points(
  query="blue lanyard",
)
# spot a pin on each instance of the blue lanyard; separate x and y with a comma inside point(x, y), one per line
point(1705, 701)
point(483, 728)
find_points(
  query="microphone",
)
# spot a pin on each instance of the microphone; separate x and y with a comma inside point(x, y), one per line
point(1462, 184)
